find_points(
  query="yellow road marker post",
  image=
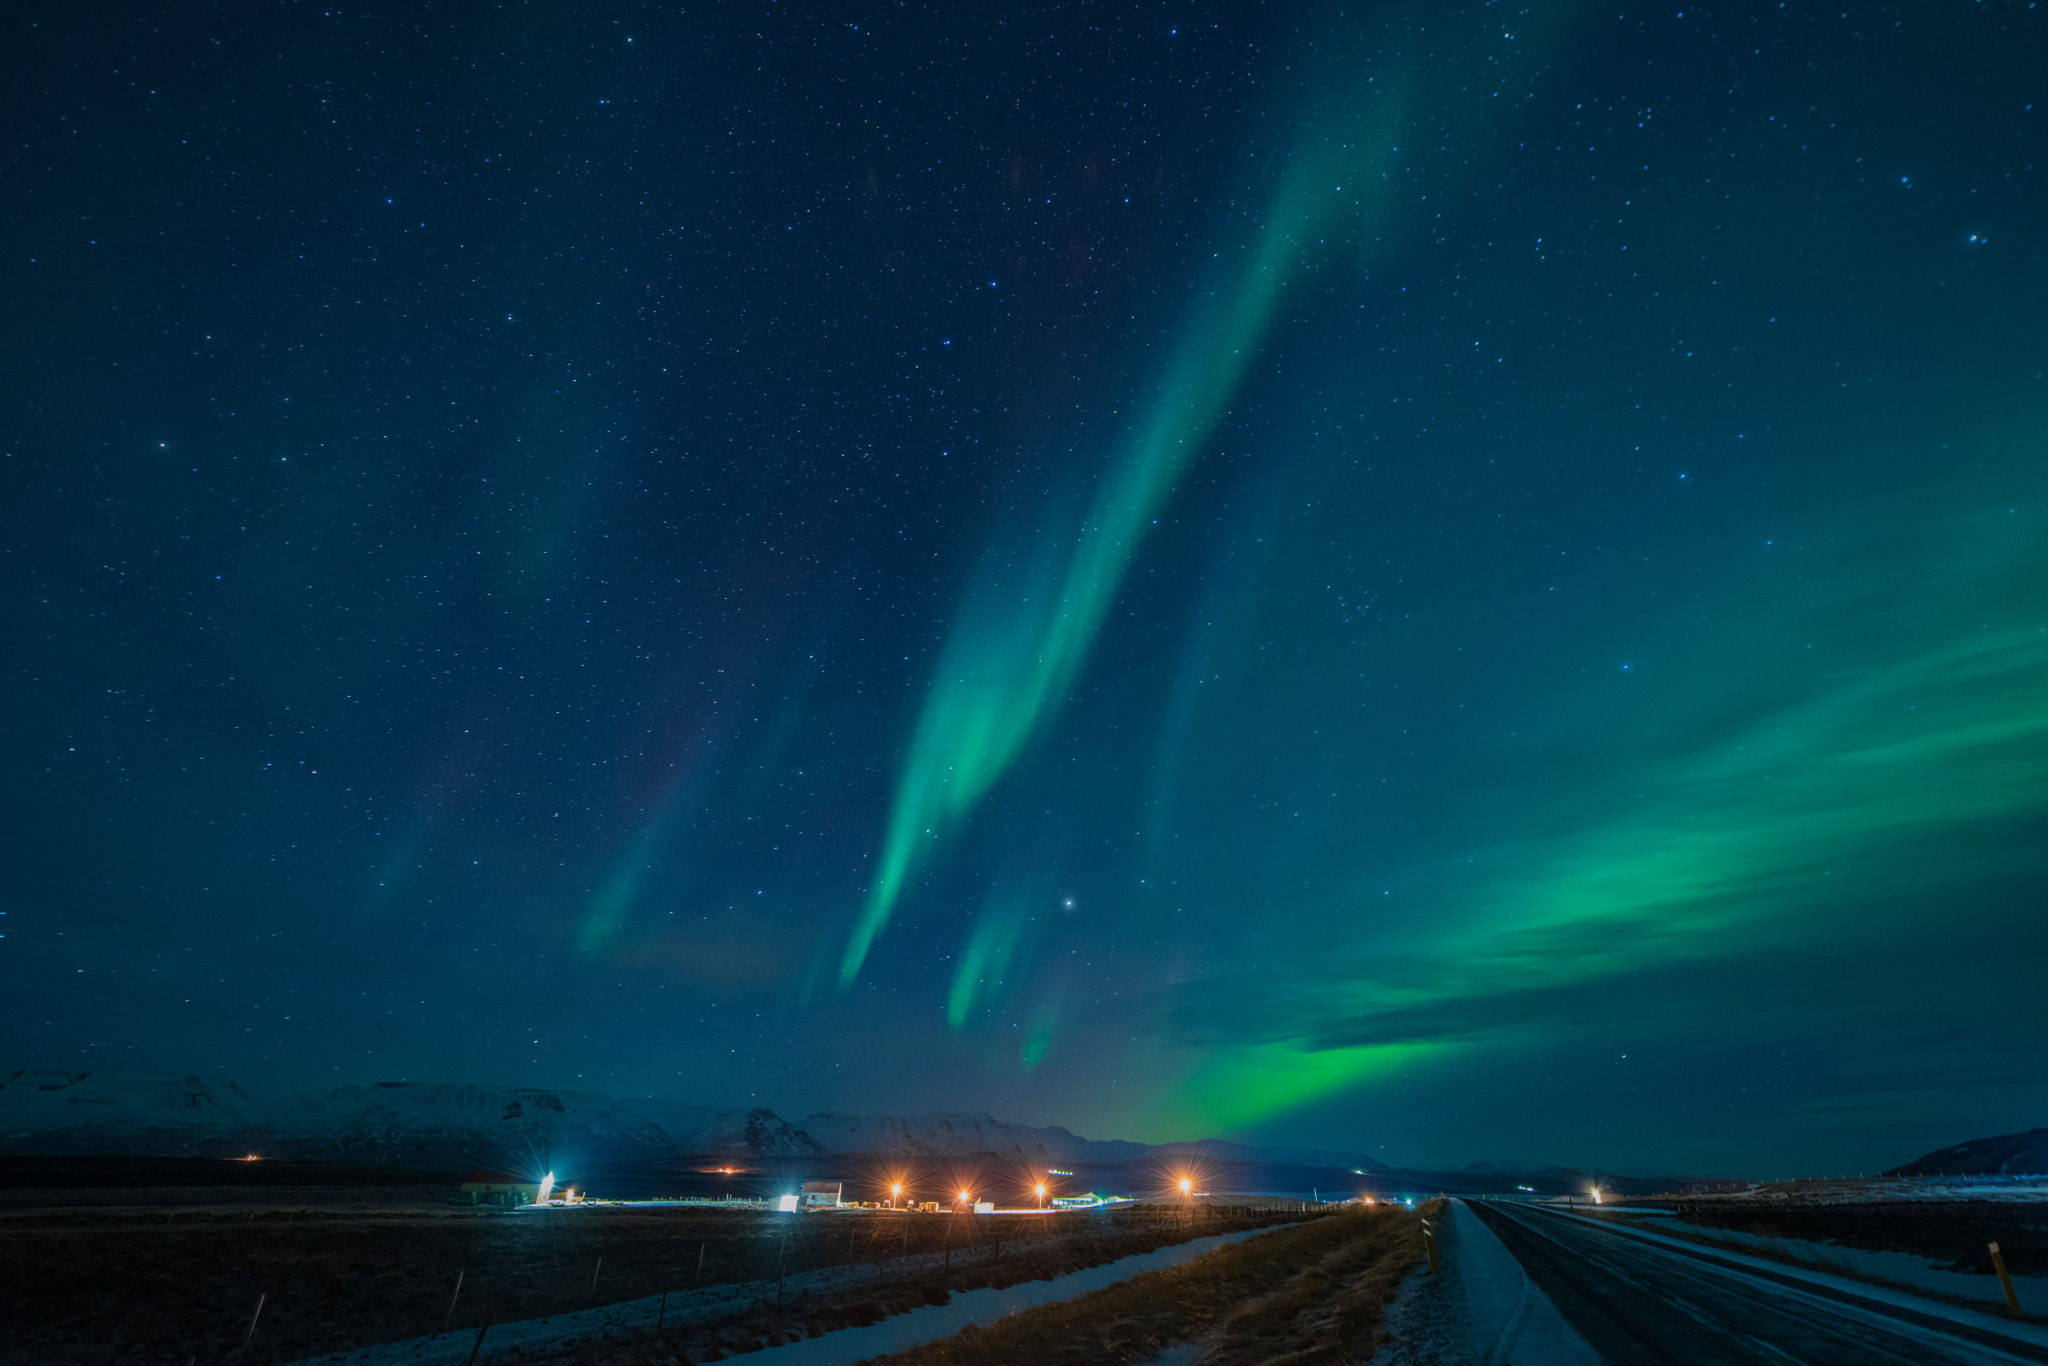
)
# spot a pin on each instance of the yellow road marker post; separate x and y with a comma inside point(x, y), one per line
point(1429, 1244)
point(2012, 1301)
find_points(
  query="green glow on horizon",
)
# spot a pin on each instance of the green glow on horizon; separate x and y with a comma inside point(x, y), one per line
point(1234, 1087)
point(1864, 794)
point(1843, 795)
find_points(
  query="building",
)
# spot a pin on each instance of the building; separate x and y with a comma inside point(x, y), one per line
point(497, 1188)
point(822, 1194)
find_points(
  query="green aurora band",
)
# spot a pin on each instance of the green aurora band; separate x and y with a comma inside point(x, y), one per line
point(1010, 659)
point(1822, 824)
point(1782, 817)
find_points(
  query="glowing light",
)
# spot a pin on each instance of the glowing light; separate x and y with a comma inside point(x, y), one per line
point(547, 1189)
point(1186, 1186)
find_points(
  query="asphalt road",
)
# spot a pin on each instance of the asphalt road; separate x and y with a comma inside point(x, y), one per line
point(1638, 1303)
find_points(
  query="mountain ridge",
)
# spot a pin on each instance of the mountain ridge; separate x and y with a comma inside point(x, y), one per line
point(55, 1113)
point(2024, 1153)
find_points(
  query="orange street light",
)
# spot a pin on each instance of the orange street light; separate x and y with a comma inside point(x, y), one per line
point(965, 1197)
point(1187, 1187)
point(1041, 1195)
point(894, 1191)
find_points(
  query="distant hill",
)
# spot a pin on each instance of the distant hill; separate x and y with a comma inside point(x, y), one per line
point(2006, 1154)
point(115, 1115)
point(396, 1123)
point(941, 1133)
point(948, 1133)
point(416, 1124)
point(448, 1124)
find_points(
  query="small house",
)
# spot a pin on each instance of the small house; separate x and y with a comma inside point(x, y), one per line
point(822, 1194)
point(497, 1188)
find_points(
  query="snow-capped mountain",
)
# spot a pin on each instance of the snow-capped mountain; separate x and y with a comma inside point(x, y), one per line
point(111, 1114)
point(942, 1133)
point(946, 1133)
point(119, 1115)
point(2000, 1155)
point(424, 1124)
point(738, 1132)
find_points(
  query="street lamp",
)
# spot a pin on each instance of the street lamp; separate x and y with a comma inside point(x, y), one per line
point(1187, 1187)
point(894, 1191)
point(1041, 1195)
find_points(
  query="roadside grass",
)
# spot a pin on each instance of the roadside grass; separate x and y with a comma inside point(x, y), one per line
point(172, 1283)
point(992, 1260)
point(1312, 1293)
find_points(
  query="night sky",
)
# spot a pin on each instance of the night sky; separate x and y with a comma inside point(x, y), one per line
point(1456, 581)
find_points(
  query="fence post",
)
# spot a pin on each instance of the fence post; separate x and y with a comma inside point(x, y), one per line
point(250, 1336)
point(450, 1316)
point(480, 1338)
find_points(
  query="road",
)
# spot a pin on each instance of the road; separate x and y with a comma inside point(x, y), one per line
point(1640, 1303)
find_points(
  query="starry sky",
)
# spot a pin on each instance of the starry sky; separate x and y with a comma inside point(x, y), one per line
point(1457, 581)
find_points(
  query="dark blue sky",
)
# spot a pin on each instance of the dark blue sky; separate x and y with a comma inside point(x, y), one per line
point(1459, 581)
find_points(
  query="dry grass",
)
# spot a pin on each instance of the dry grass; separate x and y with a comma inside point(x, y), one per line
point(1313, 1293)
point(1132, 1231)
point(1310, 1293)
point(110, 1284)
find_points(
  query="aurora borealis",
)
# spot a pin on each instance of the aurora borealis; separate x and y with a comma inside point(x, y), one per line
point(1445, 581)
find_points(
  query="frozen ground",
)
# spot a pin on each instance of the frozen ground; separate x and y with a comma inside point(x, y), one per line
point(927, 1324)
point(1877, 1190)
point(979, 1307)
point(1481, 1309)
point(1902, 1268)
